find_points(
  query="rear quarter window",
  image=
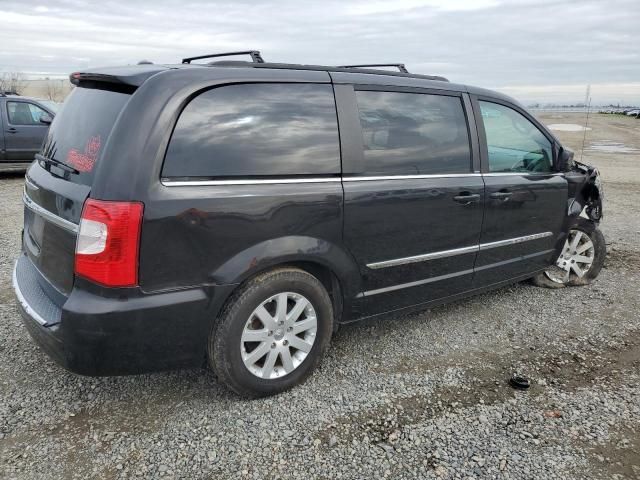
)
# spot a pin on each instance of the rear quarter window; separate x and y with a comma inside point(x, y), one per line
point(256, 130)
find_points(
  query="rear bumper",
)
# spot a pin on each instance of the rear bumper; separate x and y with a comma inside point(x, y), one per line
point(97, 335)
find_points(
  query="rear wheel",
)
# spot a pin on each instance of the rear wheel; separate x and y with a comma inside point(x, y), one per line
point(272, 333)
point(580, 260)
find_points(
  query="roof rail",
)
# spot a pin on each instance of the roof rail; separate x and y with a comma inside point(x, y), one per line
point(399, 66)
point(255, 56)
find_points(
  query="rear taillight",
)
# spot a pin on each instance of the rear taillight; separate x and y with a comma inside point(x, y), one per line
point(108, 241)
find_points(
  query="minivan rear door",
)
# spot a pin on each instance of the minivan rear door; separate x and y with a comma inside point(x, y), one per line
point(59, 182)
point(412, 201)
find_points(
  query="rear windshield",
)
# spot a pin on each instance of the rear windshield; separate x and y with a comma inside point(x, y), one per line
point(80, 129)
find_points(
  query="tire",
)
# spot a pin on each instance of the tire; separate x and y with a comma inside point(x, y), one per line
point(239, 362)
point(551, 278)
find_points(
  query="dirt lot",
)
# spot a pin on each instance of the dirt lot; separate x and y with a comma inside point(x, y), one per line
point(419, 396)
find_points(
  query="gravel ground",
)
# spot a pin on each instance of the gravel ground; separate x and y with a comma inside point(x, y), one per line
point(418, 396)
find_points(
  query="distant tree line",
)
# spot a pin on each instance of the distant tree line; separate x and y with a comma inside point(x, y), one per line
point(55, 89)
point(12, 82)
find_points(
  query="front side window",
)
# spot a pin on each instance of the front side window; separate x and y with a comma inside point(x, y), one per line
point(23, 113)
point(514, 143)
point(251, 130)
point(413, 133)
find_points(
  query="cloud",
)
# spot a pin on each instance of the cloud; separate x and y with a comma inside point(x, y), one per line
point(490, 43)
point(386, 7)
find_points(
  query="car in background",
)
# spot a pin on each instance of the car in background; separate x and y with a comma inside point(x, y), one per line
point(24, 122)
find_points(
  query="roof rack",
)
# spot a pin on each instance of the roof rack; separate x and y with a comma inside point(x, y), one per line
point(255, 56)
point(4, 93)
point(399, 66)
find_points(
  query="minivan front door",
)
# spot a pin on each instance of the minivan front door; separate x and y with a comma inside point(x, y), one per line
point(412, 202)
point(525, 200)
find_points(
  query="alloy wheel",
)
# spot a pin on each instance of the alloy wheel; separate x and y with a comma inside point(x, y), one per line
point(278, 335)
point(576, 258)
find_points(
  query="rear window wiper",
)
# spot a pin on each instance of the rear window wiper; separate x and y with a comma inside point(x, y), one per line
point(52, 161)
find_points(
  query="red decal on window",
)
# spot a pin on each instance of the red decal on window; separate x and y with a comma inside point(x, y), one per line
point(84, 161)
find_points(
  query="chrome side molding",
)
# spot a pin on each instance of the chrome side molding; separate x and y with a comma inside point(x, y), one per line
point(417, 283)
point(257, 181)
point(457, 251)
point(43, 212)
point(408, 177)
point(392, 288)
point(346, 178)
point(513, 241)
point(423, 258)
point(527, 174)
point(275, 181)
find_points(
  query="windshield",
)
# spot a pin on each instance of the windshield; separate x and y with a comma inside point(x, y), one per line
point(80, 130)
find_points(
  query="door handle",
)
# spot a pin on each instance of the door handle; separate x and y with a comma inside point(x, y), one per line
point(467, 198)
point(12, 130)
point(501, 195)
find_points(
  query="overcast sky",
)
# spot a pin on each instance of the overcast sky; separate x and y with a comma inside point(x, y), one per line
point(535, 50)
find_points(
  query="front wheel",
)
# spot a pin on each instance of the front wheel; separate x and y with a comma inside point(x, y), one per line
point(580, 261)
point(272, 333)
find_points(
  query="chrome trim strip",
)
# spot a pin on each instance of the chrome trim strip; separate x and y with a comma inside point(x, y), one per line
point(512, 260)
point(414, 284)
point(271, 181)
point(276, 181)
point(423, 258)
point(409, 177)
point(456, 251)
point(31, 184)
point(53, 218)
point(528, 174)
point(452, 275)
point(513, 241)
point(23, 301)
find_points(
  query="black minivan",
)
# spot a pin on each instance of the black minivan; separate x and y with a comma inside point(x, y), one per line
point(236, 213)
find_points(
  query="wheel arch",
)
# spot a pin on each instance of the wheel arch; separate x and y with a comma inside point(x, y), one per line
point(334, 267)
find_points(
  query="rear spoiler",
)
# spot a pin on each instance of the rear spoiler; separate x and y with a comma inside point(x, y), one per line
point(124, 77)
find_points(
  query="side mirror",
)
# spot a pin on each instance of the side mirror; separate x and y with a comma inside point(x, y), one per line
point(46, 119)
point(565, 159)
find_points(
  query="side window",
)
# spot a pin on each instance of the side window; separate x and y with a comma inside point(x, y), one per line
point(514, 143)
point(23, 113)
point(413, 133)
point(253, 130)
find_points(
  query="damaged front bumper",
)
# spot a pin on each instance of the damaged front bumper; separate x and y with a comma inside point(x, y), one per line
point(586, 194)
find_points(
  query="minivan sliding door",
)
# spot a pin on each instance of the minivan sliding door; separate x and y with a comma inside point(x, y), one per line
point(412, 202)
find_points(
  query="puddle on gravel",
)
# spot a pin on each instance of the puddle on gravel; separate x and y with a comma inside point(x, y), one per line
point(611, 147)
point(567, 127)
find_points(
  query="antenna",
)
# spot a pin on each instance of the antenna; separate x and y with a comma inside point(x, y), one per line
point(586, 122)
